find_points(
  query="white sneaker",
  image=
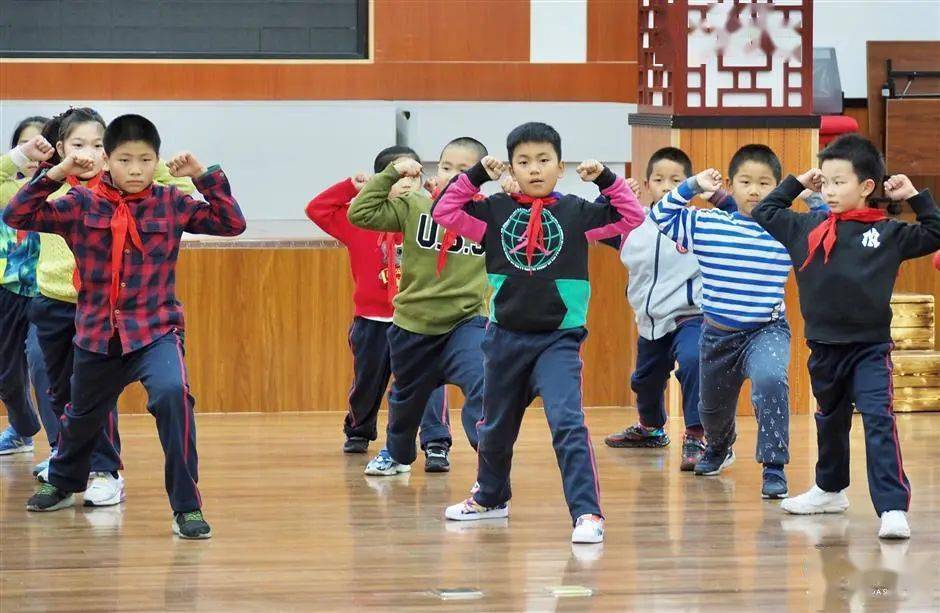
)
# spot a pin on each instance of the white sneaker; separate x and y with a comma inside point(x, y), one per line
point(469, 510)
point(104, 490)
point(588, 529)
point(383, 465)
point(816, 501)
point(894, 525)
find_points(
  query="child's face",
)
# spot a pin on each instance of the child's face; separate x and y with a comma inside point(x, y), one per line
point(752, 182)
point(454, 160)
point(536, 167)
point(841, 188)
point(85, 139)
point(405, 185)
point(666, 176)
point(25, 135)
point(132, 166)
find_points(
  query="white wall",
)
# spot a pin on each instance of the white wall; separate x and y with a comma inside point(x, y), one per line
point(278, 155)
point(848, 24)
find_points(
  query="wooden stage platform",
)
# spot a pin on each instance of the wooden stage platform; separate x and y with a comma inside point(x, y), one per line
point(299, 528)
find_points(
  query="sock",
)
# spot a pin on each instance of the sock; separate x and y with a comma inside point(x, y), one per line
point(696, 432)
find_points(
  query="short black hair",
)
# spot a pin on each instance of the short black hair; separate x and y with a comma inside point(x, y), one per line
point(61, 126)
point(390, 154)
point(866, 160)
point(533, 132)
point(35, 121)
point(673, 154)
point(131, 128)
point(468, 142)
point(762, 154)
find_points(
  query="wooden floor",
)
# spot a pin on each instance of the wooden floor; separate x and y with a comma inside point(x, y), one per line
point(298, 527)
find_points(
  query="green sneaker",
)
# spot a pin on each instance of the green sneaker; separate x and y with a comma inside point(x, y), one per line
point(50, 498)
point(191, 525)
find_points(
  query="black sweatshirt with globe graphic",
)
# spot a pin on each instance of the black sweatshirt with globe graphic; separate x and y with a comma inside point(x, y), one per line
point(553, 291)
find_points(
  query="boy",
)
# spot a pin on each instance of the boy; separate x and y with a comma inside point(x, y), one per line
point(537, 261)
point(665, 291)
point(852, 254)
point(438, 325)
point(125, 234)
point(374, 262)
point(745, 335)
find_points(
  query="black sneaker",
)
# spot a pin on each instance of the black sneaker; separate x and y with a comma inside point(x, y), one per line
point(775, 484)
point(714, 461)
point(50, 498)
point(355, 444)
point(435, 459)
point(638, 436)
point(191, 525)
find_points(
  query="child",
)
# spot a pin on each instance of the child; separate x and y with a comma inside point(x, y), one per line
point(853, 254)
point(438, 325)
point(665, 291)
point(374, 260)
point(745, 335)
point(52, 312)
point(537, 262)
point(125, 233)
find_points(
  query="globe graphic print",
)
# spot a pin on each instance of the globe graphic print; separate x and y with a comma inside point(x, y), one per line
point(512, 234)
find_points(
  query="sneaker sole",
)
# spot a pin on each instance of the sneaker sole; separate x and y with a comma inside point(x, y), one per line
point(110, 502)
point(636, 444)
point(728, 462)
point(201, 537)
point(437, 469)
point(391, 472)
point(23, 449)
point(774, 496)
point(818, 511)
point(493, 514)
point(592, 540)
point(894, 536)
point(62, 504)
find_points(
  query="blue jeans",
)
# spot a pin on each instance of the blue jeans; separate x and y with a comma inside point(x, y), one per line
point(654, 363)
point(763, 356)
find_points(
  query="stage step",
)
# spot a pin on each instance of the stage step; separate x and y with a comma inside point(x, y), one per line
point(916, 380)
point(912, 324)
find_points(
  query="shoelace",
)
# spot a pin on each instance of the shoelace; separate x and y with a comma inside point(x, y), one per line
point(46, 488)
point(437, 452)
point(193, 516)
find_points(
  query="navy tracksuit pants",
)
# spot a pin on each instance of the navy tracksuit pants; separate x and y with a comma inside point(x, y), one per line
point(97, 382)
point(54, 322)
point(654, 363)
point(372, 369)
point(858, 374)
point(422, 363)
point(14, 367)
point(518, 367)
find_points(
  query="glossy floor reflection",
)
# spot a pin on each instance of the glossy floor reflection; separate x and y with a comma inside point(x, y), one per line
point(299, 527)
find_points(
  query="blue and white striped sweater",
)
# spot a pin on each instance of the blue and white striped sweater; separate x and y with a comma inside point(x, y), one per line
point(744, 270)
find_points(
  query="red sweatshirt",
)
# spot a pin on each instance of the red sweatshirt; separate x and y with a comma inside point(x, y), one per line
point(367, 250)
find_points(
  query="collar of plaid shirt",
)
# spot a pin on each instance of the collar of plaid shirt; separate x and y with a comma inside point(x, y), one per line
point(122, 227)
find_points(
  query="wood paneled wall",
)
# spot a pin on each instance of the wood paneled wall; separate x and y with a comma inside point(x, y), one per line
point(423, 50)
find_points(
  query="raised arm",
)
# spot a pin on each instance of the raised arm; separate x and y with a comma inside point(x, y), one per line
point(328, 209)
point(774, 215)
point(31, 209)
point(623, 213)
point(372, 209)
point(219, 214)
point(449, 209)
point(673, 216)
point(923, 238)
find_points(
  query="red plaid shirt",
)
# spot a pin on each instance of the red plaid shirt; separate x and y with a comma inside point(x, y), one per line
point(146, 308)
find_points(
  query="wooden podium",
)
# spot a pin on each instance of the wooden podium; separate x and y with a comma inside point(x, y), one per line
point(716, 76)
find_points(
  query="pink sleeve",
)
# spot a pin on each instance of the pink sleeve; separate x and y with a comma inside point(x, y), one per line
point(449, 209)
point(625, 201)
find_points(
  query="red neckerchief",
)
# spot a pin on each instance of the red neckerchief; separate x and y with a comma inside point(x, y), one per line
point(91, 184)
point(122, 226)
point(825, 233)
point(450, 237)
point(390, 240)
point(533, 238)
